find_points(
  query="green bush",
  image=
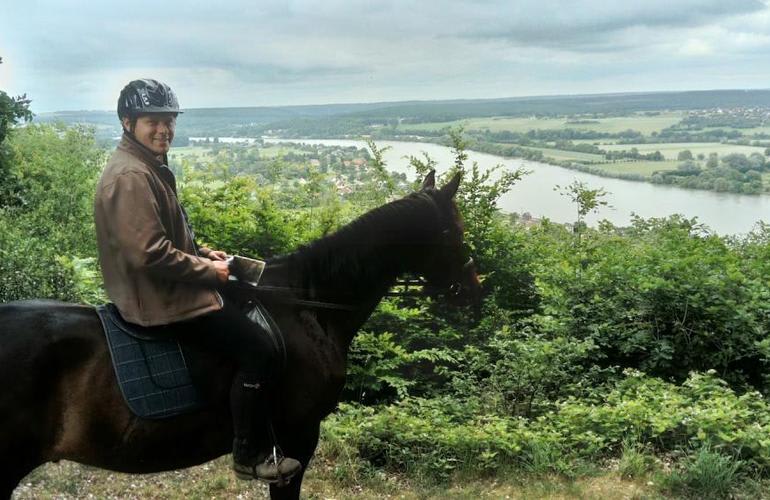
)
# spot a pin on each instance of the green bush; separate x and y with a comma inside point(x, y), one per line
point(47, 240)
point(659, 296)
point(437, 437)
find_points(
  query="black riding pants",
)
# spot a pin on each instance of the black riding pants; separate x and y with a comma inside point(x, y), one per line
point(231, 333)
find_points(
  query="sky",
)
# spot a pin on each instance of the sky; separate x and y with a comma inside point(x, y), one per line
point(76, 55)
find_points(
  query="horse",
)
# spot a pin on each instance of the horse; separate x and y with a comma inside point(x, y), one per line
point(61, 399)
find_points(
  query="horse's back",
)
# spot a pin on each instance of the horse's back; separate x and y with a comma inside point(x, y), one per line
point(34, 324)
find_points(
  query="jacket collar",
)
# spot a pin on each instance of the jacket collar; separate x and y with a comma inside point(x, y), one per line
point(133, 147)
point(129, 144)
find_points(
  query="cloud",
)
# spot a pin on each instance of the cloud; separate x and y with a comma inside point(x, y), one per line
point(305, 51)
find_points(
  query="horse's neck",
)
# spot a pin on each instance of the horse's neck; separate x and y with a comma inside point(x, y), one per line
point(357, 274)
point(362, 295)
point(361, 277)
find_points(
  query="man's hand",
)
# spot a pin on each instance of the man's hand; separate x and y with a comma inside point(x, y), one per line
point(223, 270)
point(216, 255)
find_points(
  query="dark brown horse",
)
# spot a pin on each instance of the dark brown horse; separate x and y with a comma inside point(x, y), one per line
point(60, 399)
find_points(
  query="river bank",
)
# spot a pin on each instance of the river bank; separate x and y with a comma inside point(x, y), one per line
point(634, 166)
point(723, 213)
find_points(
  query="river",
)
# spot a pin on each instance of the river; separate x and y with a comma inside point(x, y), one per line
point(724, 213)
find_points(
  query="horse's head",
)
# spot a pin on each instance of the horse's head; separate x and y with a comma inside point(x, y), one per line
point(447, 265)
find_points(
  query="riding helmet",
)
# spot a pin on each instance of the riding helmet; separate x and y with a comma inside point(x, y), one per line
point(146, 96)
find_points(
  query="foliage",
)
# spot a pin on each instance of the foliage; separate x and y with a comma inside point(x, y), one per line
point(616, 343)
point(57, 168)
point(436, 437)
point(660, 296)
point(238, 217)
point(47, 240)
point(29, 269)
point(382, 185)
point(527, 375)
point(12, 111)
point(586, 200)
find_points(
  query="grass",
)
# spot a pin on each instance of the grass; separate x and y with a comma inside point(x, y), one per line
point(214, 480)
point(181, 151)
point(645, 168)
point(642, 123)
point(706, 475)
point(635, 461)
point(559, 154)
point(636, 474)
point(744, 131)
point(278, 151)
point(71, 480)
point(201, 152)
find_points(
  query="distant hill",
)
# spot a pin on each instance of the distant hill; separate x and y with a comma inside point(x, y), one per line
point(210, 121)
point(338, 118)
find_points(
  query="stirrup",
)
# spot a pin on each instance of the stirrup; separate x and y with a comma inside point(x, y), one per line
point(276, 460)
point(275, 469)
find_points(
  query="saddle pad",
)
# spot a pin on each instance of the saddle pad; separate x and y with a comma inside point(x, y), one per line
point(152, 374)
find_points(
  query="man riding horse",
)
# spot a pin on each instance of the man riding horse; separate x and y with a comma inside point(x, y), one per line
point(156, 274)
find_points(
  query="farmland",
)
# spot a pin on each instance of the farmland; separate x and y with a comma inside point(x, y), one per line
point(644, 123)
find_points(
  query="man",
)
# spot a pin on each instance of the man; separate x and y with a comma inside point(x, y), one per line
point(156, 274)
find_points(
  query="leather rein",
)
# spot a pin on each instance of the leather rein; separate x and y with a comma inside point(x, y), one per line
point(282, 294)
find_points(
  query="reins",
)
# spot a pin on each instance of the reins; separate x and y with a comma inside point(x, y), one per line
point(410, 287)
point(275, 292)
point(280, 294)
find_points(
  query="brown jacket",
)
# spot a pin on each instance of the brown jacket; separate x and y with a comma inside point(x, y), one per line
point(150, 263)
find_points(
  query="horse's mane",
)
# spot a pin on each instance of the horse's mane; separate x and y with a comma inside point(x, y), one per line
point(352, 250)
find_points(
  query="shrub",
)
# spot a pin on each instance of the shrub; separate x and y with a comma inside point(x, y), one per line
point(436, 437)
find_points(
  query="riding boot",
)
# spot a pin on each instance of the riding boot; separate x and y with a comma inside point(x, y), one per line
point(252, 431)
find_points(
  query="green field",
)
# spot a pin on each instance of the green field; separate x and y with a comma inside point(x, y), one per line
point(279, 151)
point(744, 131)
point(643, 167)
point(558, 154)
point(646, 168)
point(671, 150)
point(189, 151)
point(640, 122)
point(200, 152)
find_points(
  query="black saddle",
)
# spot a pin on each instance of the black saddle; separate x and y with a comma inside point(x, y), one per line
point(150, 364)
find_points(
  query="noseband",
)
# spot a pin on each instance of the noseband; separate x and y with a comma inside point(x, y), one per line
point(456, 287)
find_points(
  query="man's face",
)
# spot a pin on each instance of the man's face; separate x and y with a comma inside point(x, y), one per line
point(155, 131)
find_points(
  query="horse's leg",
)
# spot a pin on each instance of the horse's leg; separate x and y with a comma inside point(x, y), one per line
point(12, 474)
point(20, 454)
point(301, 447)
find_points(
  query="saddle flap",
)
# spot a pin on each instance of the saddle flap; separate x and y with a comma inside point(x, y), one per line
point(150, 365)
point(152, 374)
point(259, 315)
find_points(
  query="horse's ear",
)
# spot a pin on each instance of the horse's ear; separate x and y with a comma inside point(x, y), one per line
point(450, 188)
point(430, 180)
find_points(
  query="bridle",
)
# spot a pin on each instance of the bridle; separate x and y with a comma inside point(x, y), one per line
point(412, 287)
point(453, 289)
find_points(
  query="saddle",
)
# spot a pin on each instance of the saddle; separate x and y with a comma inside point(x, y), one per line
point(150, 364)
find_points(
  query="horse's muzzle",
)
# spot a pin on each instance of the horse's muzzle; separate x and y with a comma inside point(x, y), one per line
point(467, 290)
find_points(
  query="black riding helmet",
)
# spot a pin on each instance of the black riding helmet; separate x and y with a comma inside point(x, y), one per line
point(146, 96)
